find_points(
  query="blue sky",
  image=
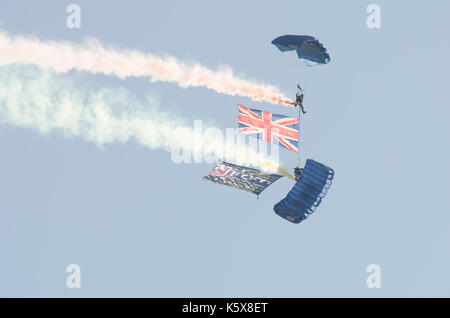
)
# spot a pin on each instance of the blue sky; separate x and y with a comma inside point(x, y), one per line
point(140, 225)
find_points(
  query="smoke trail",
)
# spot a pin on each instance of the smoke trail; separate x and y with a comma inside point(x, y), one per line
point(37, 99)
point(92, 57)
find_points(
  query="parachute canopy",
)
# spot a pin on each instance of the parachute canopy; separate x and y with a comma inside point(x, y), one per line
point(244, 178)
point(307, 47)
point(307, 193)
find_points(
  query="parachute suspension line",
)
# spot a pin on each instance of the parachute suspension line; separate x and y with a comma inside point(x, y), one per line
point(298, 136)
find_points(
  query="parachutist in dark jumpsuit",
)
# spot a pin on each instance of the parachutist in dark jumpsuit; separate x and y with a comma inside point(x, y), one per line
point(299, 101)
point(297, 173)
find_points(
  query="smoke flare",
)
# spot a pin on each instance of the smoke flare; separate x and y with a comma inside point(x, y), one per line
point(93, 57)
point(38, 99)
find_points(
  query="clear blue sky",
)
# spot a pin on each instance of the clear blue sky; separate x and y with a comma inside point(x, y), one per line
point(140, 225)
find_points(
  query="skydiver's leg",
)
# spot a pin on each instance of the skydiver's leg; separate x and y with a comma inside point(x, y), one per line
point(303, 110)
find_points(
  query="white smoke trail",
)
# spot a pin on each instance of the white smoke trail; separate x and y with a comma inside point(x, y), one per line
point(38, 99)
point(92, 57)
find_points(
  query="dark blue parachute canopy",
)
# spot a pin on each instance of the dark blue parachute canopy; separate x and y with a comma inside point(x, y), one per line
point(307, 193)
point(307, 47)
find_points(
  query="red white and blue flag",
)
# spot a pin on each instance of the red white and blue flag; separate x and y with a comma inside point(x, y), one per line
point(273, 128)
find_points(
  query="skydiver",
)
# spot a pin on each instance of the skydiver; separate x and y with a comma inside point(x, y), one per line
point(299, 98)
point(299, 101)
point(297, 173)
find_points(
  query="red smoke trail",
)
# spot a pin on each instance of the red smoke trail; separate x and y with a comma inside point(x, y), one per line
point(93, 57)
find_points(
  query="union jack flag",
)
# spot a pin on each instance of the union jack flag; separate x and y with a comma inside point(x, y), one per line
point(273, 128)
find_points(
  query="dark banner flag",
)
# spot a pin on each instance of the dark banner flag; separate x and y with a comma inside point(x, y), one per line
point(244, 178)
